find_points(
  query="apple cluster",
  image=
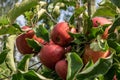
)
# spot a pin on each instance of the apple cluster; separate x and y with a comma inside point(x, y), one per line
point(52, 54)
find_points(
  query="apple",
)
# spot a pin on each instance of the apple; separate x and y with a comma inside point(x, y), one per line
point(21, 42)
point(100, 21)
point(90, 54)
point(60, 34)
point(61, 69)
point(50, 54)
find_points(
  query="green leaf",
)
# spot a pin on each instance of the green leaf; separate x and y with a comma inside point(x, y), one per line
point(106, 12)
point(106, 9)
point(90, 63)
point(24, 63)
point(115, 24)
point(101, 67)
point(3, 55)
point(80, 10)
point(18, 76)
point(75, 64)
point(116, 2)
point(115, 45)
point(32, 75)
point(10, 56)
point(9, 30)
point(3, 20)
point(21, 8)
point(33, 44)
point(42, 32)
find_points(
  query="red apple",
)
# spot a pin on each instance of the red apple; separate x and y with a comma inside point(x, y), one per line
point(60, 34)
point(50, 54)
point(61, 69)
point(89, 54)
point(21, 42)
point(100, 21)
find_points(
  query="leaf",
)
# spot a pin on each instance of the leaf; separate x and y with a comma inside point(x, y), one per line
point(9, 30)
point(18, 76)
point(33, 44)
point(106, 12)
point(32, 75)
point(116, 2)
point(106, 9)
point(115, 45)
point(80, 10)
point(116, 24)
point(24, 63)
point(42, 32)
point(101, 67)
point(21, 8)
point(75, 64)
point(3, 20)
point(10, 56)
point(3, 55)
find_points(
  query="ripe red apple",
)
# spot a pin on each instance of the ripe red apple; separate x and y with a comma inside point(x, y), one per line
point(89, 54)
point(61, 69)
point(60, 34)
point(50, 54)
point(21, 42)
point(100, 21)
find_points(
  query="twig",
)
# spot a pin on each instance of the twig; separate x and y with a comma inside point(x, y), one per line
point(34, 64)
point(51, 17)
point(38, 68)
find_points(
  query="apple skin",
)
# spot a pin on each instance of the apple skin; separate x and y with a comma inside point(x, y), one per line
point(100, 21)
point(60, 34)
point(61, 69)
point(89, 54)
point(50, 54)
point(21, 42)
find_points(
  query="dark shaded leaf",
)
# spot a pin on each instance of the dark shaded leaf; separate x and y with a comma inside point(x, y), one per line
point(115, 45)
point(116, 2)
point(42, 32)
point(115, 24)
point(3, 55)
point(75, 64)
